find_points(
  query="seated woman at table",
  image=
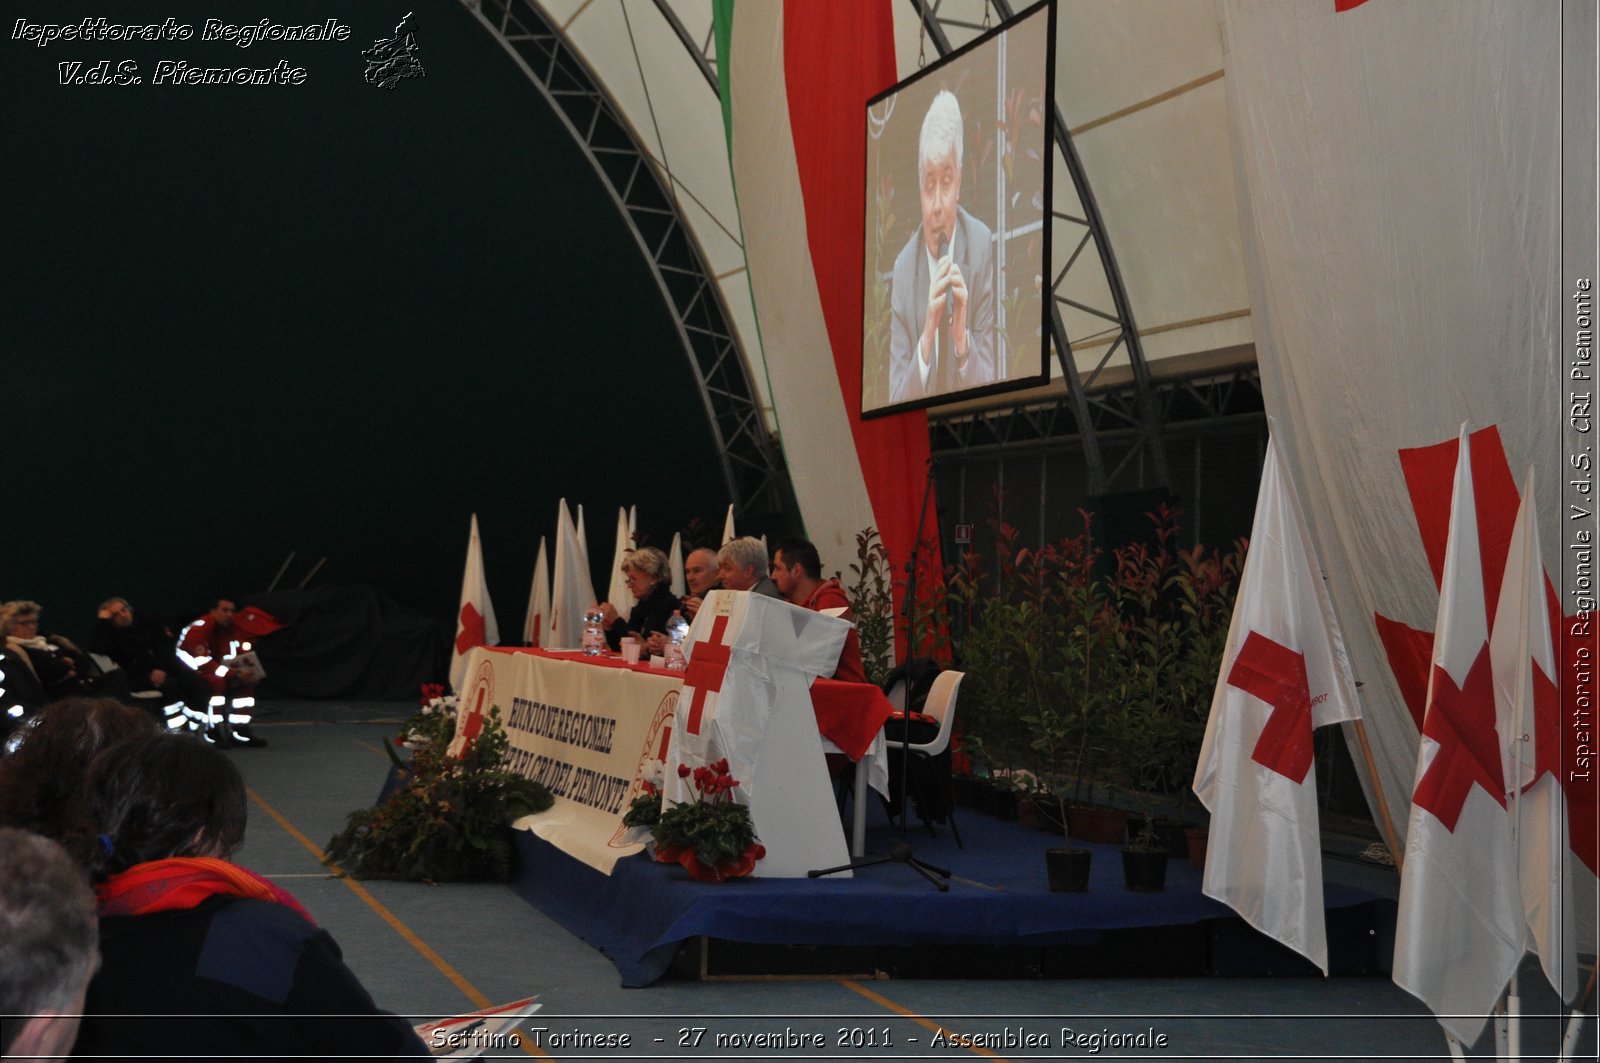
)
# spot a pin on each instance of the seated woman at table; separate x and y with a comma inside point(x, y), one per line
point(649, 577)
point(184, 931)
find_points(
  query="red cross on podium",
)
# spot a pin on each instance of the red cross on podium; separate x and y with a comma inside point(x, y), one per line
point(706, 670)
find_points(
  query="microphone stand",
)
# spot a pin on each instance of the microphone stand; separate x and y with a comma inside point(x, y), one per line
point(900, 851)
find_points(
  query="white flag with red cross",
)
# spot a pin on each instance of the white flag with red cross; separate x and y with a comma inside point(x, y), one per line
point(536, 626)
point(572, 591)
point(1284, 673)
point(1528, 707)
point(1459, 932)
point(475, 622)
point(617, 592)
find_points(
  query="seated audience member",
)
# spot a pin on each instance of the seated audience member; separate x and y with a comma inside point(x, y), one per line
point(797, 570)
point(742, 566)
point(649, 577)
point(209, 646)
point(20, 692)
point(63, 670)
point(147, 652)
point(185, 932)
point(47, 946)
point(41, 776)
point(700, 577)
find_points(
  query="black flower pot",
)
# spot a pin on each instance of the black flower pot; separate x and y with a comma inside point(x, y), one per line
point(1144, 871)
point(1068, 870)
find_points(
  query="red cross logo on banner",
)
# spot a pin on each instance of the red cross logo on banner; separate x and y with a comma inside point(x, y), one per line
point(472, 726)
point(472, 631)
point(1277, 675)
point(1461, 720)
point(706, 670)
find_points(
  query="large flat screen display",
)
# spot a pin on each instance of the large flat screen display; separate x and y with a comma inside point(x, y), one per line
point(957, 240)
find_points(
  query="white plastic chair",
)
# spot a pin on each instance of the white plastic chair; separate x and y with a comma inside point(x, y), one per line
point(941, 705)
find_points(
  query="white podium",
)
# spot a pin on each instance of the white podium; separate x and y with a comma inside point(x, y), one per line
point(746, 697)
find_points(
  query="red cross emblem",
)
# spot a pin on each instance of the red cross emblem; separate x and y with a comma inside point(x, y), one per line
point(472, 632)
point(1461, 720)
point(706, 670)
point(1429, 474)
point(1277, 675)
point(472, 725)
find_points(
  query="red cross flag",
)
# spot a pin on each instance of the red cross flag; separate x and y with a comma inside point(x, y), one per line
point(1528, 707)
point(1284, 672)
point(1459, 933)
point(536, 624)
point(475, 622)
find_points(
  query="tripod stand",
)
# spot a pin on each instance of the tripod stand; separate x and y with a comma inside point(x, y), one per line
point(900, 850)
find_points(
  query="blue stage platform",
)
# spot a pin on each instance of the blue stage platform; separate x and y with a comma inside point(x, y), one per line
point(998, 906)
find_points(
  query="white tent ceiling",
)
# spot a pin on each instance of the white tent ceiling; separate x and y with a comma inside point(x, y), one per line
point(1140, 84)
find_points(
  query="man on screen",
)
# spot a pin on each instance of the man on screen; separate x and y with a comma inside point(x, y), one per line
point(942, 339)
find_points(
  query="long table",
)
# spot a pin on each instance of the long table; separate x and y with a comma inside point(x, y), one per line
point(596, 729)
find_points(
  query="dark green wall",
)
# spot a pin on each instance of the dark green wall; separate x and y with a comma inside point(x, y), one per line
point(240, 321)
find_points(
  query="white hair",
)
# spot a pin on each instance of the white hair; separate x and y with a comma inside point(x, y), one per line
point(941, 132)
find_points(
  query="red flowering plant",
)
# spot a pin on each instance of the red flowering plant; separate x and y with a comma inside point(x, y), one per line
point(711, 836)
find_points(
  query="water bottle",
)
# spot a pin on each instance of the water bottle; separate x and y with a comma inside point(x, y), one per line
point(594, 636)
point(677, 631)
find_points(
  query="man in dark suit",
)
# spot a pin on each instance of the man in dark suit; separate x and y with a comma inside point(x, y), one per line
point(942, 338)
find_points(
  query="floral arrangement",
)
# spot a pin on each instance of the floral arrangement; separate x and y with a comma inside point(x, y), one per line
point(711, 836)
point(447, 820)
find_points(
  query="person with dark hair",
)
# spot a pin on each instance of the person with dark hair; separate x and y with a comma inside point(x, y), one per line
point(147, 652)
point(48, 760)
point(183, 931)
point(797, 571)
point(47, 946)
point(210, 645)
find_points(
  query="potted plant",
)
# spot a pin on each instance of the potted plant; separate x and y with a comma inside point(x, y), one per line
point(447, 817)
point(712, 837)
point(1173, 609)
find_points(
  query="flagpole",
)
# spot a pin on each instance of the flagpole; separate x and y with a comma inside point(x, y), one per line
point(1387, 825)
point(1569, 1043)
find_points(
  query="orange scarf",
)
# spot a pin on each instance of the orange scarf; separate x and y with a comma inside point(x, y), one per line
point(183, 882)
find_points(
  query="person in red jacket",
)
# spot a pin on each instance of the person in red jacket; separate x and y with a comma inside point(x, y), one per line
point(797, 570)
point(211, 646)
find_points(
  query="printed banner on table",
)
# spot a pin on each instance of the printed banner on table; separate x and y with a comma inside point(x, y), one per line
point(590, 732)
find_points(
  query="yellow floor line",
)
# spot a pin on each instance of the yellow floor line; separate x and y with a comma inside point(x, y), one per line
point(405, 932)
point(925, 1023)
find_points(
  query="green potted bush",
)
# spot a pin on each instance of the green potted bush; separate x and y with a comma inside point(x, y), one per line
point(1173, 608)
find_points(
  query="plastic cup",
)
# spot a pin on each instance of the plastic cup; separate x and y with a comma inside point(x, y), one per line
point(631, 650)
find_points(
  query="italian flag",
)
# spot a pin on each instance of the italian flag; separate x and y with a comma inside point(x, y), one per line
point(796, 78)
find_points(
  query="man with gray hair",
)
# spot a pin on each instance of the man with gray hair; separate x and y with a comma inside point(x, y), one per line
point(942, 335)
point(742, 566)
point(48, 946)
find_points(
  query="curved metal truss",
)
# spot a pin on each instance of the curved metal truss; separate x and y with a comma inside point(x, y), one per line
point(752, 463)
point(1131, 412)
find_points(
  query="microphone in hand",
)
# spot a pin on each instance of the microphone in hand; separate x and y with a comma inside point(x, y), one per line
point(949, 304)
